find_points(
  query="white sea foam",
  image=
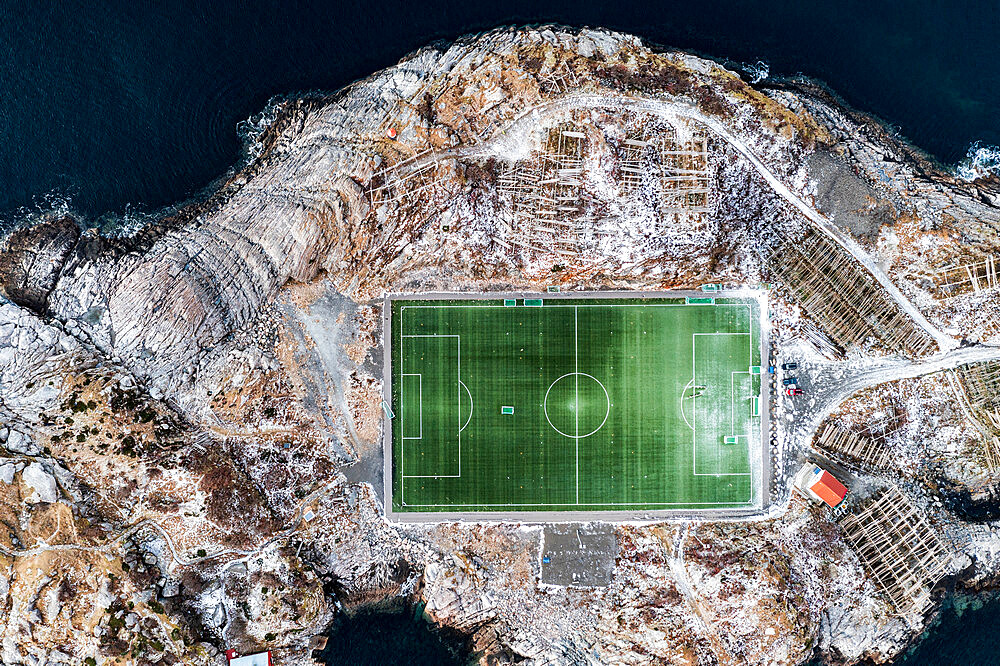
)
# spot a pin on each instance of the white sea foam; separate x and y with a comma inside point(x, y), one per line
point(128, 222)
point(979, 161)
point(57, 202)
point(758, 71)
point(251, 130)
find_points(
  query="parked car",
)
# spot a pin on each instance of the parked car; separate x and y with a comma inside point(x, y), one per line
point(790, 381)
point(789, 366)
point(793, 391)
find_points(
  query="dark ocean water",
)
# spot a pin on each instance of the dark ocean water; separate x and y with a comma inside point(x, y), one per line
point(400, 636)
point(966, 635)
point(119, 107)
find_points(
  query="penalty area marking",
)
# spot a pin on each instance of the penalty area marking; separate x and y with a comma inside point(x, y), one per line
point(402, 473)
point(732, 413)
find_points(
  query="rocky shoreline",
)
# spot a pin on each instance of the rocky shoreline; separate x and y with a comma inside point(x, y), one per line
point(184, 409)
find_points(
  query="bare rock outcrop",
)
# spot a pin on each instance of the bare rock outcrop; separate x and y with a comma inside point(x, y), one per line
point(31, 259)
point(178, 405)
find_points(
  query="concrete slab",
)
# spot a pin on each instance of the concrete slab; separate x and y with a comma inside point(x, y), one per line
point(578, 554)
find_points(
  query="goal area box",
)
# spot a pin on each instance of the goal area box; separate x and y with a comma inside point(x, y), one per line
point(575, 405)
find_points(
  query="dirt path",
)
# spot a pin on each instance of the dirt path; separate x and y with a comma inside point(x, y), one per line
point(832, 383)
point(506, 142)
point(704, 618)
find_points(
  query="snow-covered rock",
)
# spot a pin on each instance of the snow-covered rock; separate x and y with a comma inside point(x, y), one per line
point(42, 484)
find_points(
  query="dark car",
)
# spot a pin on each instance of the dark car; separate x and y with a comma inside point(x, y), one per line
point(791, 381)
point(793, 391)
point(789, 366)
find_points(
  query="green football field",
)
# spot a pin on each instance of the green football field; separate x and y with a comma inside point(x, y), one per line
point(574, 404)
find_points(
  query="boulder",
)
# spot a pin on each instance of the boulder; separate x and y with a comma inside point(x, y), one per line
point(42, 484)
point(18, 442)
point(32, 258)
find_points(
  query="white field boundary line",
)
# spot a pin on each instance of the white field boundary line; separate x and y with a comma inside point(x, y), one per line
point(557, 304)
point(640, 505)
point(576, 307)
point(403, 475)
point(694, 409)
point(420, 392)
point(576, 404)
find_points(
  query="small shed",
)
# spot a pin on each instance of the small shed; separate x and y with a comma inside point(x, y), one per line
point(233, 658)
point(820, 485)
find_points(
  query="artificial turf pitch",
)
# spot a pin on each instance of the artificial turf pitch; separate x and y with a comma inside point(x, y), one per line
point(574, 405)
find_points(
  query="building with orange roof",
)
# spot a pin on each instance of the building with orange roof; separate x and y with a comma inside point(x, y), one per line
point(820, 485)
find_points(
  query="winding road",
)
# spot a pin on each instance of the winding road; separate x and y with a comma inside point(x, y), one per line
point(505, 143)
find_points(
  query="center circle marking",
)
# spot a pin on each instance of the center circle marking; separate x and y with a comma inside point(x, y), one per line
point(607, 398)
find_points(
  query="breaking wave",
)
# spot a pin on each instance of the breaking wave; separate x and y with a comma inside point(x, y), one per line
point(129, 221)
point(757, 71)
point(980, 161)
point(46, 206)
point(251, 130)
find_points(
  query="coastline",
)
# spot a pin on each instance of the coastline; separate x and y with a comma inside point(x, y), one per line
point(253, 134)
point(304, 218)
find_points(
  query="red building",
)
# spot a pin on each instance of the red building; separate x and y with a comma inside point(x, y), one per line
point(819, 484)
point(257, 659)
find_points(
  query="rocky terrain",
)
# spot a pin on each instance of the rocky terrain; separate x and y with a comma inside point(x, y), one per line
point(191, 430)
